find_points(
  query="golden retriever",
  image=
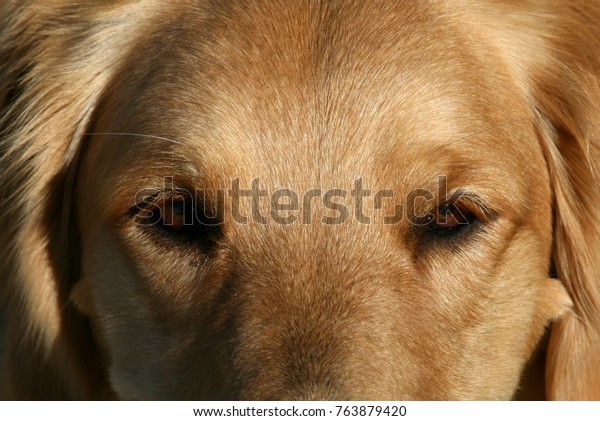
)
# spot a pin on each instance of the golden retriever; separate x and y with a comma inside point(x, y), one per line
point(306, 199)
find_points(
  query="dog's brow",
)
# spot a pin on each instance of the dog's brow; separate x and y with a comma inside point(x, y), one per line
point(480, 132)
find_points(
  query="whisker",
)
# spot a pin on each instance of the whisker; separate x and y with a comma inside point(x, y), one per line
point(166, 139)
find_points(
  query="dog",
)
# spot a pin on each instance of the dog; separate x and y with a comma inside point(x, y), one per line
point(311, 199)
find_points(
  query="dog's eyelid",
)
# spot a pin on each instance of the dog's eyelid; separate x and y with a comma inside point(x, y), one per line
point(470, 202)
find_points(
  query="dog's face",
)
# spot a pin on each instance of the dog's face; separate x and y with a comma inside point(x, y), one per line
point(300, 200)
point(447, 301)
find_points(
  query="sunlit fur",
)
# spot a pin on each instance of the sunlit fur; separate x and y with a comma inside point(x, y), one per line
point(99, 100)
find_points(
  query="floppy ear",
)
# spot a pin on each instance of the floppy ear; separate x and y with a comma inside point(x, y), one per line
point(553, 51)
point(58, 60)
point(568, 101)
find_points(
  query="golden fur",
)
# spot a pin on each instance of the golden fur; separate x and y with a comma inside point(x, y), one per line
point(99, 100)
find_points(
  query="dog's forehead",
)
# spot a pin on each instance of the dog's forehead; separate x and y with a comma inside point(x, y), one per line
point(320, 95)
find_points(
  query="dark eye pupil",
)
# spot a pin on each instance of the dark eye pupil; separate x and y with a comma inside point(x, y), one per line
point(179, 207)
point(176, 214)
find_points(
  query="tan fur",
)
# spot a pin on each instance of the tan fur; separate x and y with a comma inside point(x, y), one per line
point(99, 100)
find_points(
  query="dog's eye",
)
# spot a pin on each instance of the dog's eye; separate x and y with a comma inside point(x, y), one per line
point(175, 217)
point(176, 214)
point(449, 218)
point(173, 213)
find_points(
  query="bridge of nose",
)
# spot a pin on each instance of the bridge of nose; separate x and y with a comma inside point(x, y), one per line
point(313, 304)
